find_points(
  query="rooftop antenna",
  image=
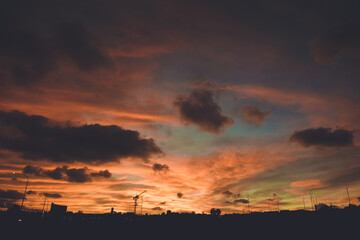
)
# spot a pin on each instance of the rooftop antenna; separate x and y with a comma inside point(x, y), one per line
point(311, 199)
point(135, 198)
point(347, 190)
point(304, 203)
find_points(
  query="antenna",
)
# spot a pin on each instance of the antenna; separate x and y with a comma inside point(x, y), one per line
point(135, 198)
point(347, 190)
point(304, 203)
point(142, 199)
point(312, 204)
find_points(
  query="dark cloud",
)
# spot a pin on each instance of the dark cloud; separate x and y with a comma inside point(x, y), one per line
point(28, 55)
point(105, 174)
point(160, 168)
point(156, 209)
point(228, 193)
point(52, 195)
point(37, 171)
point(199, 108)
point(253, 115)
point(131, 186)
point(179, 195)
point(37, 138)
point(241, 201)
point(31, 192)
point(57, 174)
point(236, 201)
point(78, 44)
point(162, 203)
point(10, 194)
point(337, 43)
point(323, 137)
point(79, 175)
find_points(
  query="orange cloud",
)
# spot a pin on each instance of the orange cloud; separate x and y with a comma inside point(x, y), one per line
point(308, 184)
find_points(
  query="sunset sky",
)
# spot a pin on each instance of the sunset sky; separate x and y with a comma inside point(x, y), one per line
point(203, 104)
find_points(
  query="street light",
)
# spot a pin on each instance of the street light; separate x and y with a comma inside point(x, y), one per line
point(43, 212)
point(27, 182)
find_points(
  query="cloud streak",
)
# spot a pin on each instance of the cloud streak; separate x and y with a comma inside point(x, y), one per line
point(79, 175)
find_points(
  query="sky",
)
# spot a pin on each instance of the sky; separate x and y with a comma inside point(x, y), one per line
point(236, 105)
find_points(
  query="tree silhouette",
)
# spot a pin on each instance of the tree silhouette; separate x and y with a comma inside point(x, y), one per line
point(215, 212)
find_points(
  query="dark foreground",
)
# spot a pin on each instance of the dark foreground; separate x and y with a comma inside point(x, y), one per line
point(334, 224)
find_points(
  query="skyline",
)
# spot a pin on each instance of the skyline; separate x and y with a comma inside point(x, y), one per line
point(200, 103)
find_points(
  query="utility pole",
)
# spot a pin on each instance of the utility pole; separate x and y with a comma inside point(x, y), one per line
point(248, 203)
point(44, 205)
point(347, 190)
point(27, 182)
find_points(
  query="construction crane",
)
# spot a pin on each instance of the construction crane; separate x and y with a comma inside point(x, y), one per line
point(135, 201)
